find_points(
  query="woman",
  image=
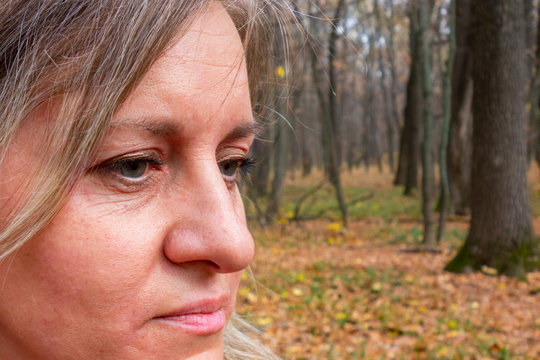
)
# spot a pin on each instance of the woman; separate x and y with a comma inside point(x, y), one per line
point(125, 126)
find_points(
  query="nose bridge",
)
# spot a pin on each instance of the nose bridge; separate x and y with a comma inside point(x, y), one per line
point(212, 226)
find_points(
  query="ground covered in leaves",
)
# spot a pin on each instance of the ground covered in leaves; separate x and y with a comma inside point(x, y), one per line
point(325, 292)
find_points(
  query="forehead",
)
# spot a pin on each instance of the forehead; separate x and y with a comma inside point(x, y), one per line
point(202, 75)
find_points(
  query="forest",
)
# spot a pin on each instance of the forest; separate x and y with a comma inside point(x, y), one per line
point(395, 204)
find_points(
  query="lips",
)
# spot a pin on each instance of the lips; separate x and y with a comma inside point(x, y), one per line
point(203, 317)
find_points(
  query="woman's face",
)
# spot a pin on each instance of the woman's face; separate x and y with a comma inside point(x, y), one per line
point(144, 259)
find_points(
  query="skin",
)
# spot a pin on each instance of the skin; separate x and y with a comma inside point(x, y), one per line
point(126, 250)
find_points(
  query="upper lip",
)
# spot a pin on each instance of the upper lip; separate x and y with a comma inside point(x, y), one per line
point(205, 305)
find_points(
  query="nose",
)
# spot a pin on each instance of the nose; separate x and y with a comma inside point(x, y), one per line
point(209, 226)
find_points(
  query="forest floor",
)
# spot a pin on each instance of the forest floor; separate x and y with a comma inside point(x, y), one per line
point(323, 292)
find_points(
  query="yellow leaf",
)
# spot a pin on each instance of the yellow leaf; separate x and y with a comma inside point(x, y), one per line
point(333, 227)
point(341, 315)
point(452, 324)
point(244, 276)
point(280, 72)
point(297, 292)
point(252, 298)
point(243, 291)
point(376, 287)
point(301, 277)
point(488, 270)
point(501, 286)
point(285, 294)
point(443, 352)
point(264, 321)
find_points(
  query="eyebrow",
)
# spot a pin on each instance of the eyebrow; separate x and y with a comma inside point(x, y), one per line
point(168, 129)
point(158, 128)
point(244, 130)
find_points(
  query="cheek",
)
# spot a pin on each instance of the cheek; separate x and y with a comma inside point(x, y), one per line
point(73, 259)
point(234, 283)
point(97, 250)
point(90, 258)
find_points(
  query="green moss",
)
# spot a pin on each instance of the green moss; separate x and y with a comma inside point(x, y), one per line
point(462, 262)
point(514, 263)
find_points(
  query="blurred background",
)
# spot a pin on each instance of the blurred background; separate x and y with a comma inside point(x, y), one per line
point(395, 203)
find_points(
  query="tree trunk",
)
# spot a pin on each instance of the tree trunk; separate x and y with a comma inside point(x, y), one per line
point(386, 103)
point(328, 113)
point(395, 88)
point(534, 98)
point(330, 126)
point(460, 141)
point(370, 141)
point(281, 145)
point(260, 177)
point(501, 234)
point(445, 127)
point(410, 137)
point(428, 178)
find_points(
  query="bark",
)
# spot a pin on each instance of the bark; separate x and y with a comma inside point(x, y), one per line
point(328, 113)
point(386, 103)
point(529, 15)
point(390, 54)
point(410, 137)
point(500, 234)
point(400, 178)
point(534, 98)
point(445, 126)
point(260, 176)
point(370, 142)
point(460, 140)
point(281, 151)
point(330, 126)
point(428, 178)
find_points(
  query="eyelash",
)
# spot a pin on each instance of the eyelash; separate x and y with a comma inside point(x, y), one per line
point(113, 167)
point(244, 166)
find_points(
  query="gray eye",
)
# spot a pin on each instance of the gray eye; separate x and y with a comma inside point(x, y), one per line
point(132, 168)
point(229, 168)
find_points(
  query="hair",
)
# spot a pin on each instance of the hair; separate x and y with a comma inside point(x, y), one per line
point(88, 56)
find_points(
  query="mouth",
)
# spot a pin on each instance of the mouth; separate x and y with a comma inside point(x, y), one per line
point(203, 317)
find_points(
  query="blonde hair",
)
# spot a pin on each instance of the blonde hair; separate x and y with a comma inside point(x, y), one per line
point(95, 52)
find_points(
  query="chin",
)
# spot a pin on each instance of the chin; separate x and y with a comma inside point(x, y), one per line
point(165, 341)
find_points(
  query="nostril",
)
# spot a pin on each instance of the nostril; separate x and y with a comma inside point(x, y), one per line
point(208, 264)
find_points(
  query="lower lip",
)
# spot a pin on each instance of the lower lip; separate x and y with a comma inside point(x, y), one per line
point(198, 323)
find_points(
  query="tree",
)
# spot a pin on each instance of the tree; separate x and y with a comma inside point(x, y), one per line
point(409, 150)
point(327, 104)
point(445, 126)
point(459, 145)
point(370, 143)
point(428, 178)
point(281, 139)
point(390, 123)
point(500, 234)
point(534, 97)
